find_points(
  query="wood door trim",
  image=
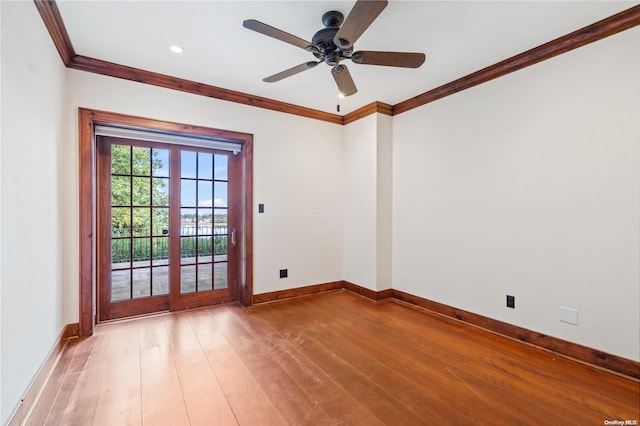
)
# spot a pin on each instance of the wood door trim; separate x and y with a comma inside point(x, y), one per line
point(103, 223)
point(599, 30)
point(87, 216)
point(86, 221)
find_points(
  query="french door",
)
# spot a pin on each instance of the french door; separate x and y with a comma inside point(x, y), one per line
point(167, 220)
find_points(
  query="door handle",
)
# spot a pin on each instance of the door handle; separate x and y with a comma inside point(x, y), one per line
point(233, 237)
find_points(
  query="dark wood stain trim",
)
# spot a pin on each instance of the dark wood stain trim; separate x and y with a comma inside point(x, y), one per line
point(169, 126)
point(246, 287)
point(53, 21)
point(86, 222)
point(372, 108)
point(589, 34)
point(576, 351)
point(71, 330)
point(368, 293)
point(51, 16)
point(321, 288)
point(297, 292)
point(595, 357)
point(98, 66)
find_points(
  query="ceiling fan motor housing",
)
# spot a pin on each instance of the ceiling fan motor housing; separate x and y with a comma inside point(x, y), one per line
point(324, 39)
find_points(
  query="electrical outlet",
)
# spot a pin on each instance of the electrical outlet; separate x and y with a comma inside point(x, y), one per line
point(260, 208)
point(511, 301)
point(284, 273)
point(568, 315)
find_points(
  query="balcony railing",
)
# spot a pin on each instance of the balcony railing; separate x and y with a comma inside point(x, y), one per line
point(134, 246)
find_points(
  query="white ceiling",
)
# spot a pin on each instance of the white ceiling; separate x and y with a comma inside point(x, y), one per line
point(458, 38)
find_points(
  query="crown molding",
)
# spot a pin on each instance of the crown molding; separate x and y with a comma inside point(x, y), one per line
point(98, 66)
point(53, 21)
point(372, 108)
point(607, 27)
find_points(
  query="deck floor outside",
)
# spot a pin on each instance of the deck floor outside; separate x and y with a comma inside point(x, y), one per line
point(332, 358)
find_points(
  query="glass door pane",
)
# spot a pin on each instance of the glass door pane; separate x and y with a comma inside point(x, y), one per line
point(139, 222)
point(203, 221)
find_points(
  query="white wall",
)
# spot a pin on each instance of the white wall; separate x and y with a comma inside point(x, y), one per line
point(368, 200)
point(33, 88)
point(360, 202)
point(384, 211)
point(298, 173)
point(529, 185)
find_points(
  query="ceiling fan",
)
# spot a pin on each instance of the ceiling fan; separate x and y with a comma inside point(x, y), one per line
point(334, 43)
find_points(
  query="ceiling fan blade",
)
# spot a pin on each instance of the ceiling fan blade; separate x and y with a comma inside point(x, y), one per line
point(364, 12)
point(291, 71)
point(344, 81)
point(389, 59)
point(270, 31)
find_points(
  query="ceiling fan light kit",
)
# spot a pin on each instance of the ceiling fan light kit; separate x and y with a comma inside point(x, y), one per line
point(334, 43)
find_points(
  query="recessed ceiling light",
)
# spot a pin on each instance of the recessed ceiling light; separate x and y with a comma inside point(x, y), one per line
point(340, 95)
point(176, 49)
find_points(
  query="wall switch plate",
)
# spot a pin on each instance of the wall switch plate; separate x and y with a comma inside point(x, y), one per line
point(260, 208)
point(284, 273)
point(511, 301)
point(568, 315)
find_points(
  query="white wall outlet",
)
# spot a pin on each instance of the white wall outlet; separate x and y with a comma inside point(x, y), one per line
point(569, 315)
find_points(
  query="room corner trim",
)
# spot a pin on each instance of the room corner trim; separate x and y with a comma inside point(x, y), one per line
point(572, 350)
point(368, 293)
point(321, 288)
point(297, 292)
point(372, 108)
point(33, 392)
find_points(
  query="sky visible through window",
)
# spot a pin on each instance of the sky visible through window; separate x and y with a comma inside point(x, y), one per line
point(209, 167)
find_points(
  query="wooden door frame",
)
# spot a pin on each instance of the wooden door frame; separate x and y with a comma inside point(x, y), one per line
point(87, 119)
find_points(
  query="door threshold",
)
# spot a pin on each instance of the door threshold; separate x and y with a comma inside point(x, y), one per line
point(133, 317)
point(166, 312)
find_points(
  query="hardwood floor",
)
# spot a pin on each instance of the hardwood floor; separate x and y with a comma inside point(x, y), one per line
point(332, 358)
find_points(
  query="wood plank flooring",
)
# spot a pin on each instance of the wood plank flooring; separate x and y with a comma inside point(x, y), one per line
point(332, 358)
